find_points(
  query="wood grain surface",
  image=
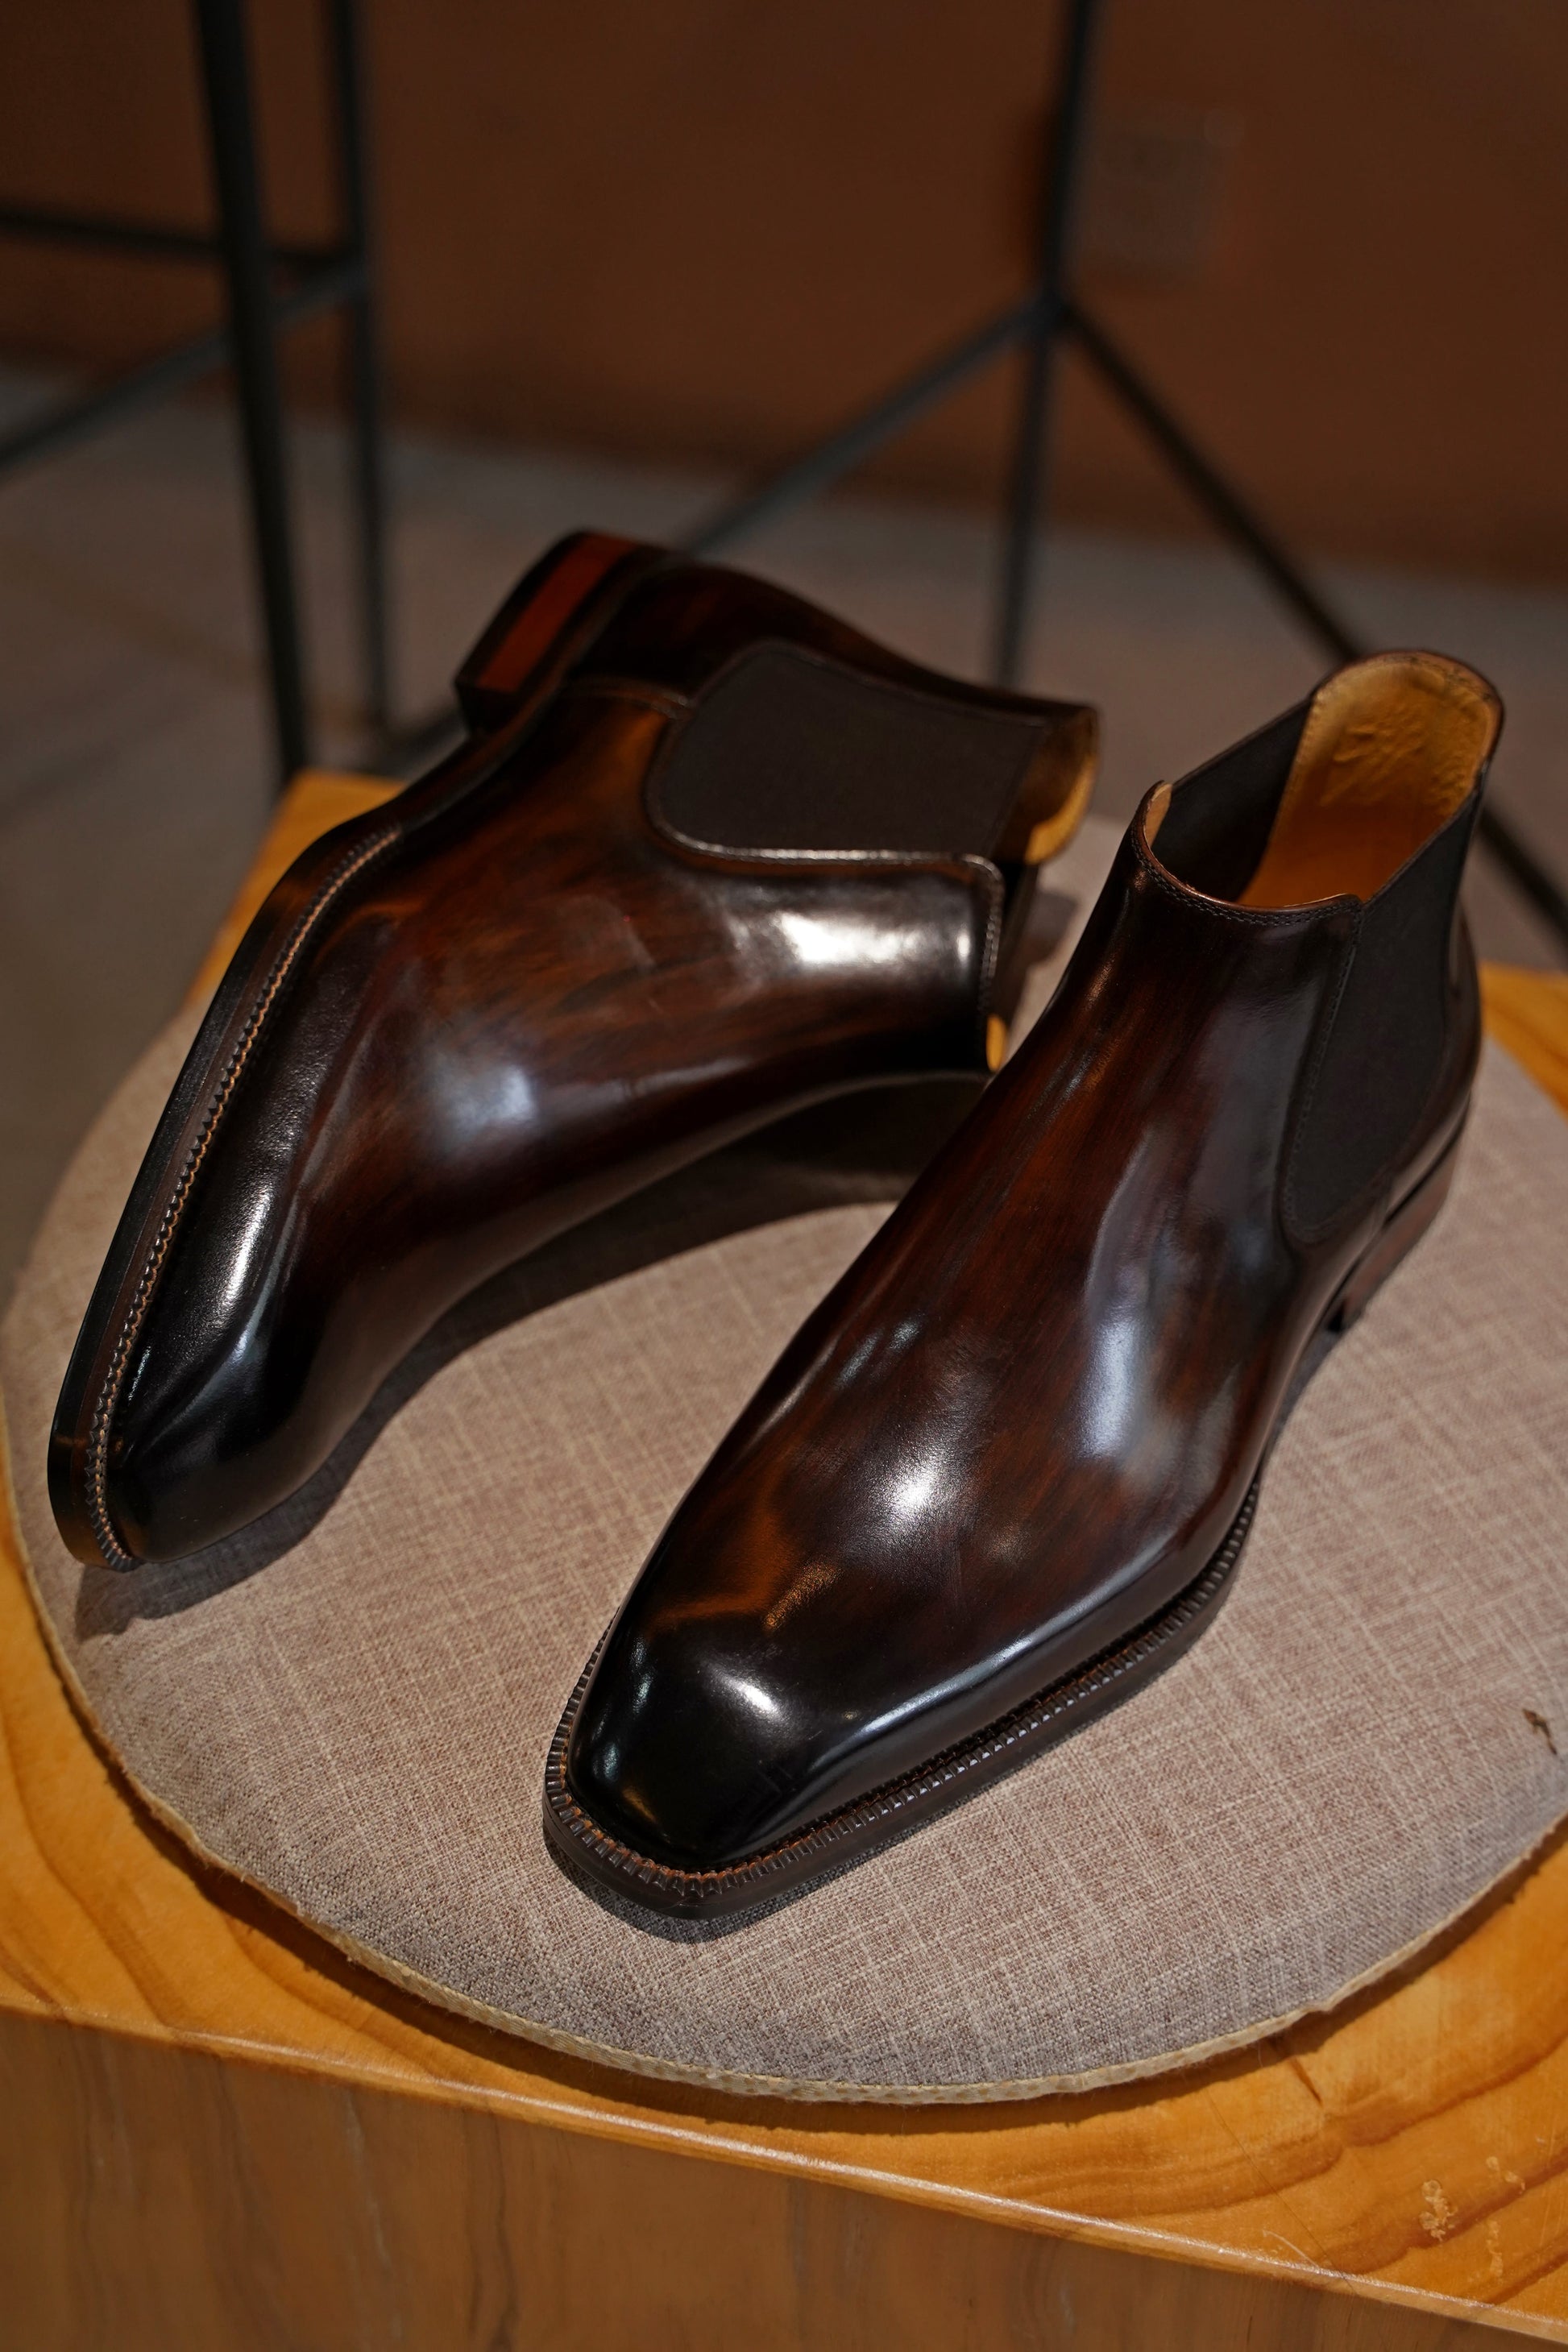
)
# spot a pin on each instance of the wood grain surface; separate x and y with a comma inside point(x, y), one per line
point(216, 2131)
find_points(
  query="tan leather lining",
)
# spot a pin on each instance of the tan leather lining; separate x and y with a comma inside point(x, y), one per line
point(1054, 796)
point(1390, 750)
point(1077, 758)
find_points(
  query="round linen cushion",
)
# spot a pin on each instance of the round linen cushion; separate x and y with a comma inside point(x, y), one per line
point(349, 1704)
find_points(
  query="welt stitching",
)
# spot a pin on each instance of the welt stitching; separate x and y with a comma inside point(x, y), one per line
point(501, 746)
point(953, 1765)
point(991, 956)
point(108, 1395)
point(828, 1832)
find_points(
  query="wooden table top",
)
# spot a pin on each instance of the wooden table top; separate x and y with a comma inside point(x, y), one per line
point(1411, 2148)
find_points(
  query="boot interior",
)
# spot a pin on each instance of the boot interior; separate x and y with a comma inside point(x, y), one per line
point(1390, 750)
point(1332, 799)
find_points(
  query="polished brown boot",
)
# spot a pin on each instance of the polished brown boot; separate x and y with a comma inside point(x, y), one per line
point(1004, 1474)
point(708, 857)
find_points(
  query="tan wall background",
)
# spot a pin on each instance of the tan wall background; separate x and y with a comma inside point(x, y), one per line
point(703, 229)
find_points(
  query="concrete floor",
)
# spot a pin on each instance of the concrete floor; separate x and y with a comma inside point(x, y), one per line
point(134, 767)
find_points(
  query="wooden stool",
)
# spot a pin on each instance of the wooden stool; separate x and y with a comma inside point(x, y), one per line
point(213, 2133)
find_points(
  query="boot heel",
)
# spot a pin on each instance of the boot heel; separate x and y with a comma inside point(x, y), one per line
point(545, 622)
point(1399, 1237)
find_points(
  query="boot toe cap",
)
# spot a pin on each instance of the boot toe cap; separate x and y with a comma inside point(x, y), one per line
point(685, 1751)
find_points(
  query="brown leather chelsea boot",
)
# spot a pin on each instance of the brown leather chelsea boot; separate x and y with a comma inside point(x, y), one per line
point(1004, 1472)
point(708, 855)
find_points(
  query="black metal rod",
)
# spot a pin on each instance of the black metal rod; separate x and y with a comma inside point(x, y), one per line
point(363, 363)
point(1208, 485)
point(1524, 870)
point(140, 387)
point(231, 129)
point(1031, 456)
point(153, 238)
point(170, 371)
point(1239, 522)
point(843, 450)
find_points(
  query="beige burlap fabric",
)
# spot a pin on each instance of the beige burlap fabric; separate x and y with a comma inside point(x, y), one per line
point(350, 1705)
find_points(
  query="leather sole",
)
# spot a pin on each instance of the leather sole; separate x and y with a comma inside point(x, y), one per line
point(874, 1820)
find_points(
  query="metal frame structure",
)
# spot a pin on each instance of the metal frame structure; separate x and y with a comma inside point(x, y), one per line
point(270, 288)
point(1048, 315)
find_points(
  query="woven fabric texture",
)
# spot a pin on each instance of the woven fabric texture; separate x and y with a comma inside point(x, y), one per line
point(350, 1705)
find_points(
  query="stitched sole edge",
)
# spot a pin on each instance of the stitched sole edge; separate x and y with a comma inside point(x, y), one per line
point(95, 1465)
point(96, 1405)
point(857, 1829)
point(796, 2090)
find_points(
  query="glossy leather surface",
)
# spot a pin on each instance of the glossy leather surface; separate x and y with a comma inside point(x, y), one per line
point(1022, 1423)
point(517, 1002)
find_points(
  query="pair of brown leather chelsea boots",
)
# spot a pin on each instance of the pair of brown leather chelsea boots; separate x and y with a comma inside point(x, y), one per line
point(708, 855)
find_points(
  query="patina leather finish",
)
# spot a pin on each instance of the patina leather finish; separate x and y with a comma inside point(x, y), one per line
point(462, 1024)
point(1006, 1470)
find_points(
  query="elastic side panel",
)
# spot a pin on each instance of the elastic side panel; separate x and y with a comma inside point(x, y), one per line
point(1216, 827)
point(1384, 1051)
point(791, 752)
